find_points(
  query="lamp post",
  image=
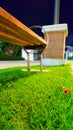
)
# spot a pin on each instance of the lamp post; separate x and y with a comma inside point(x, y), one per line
point(56, 11)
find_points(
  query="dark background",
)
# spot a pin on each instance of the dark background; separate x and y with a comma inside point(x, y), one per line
point(41, 12)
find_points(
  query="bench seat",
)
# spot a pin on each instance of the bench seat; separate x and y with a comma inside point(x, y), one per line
point(15, 32)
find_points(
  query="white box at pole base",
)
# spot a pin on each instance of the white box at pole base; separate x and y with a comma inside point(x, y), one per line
point(52, 62)
point(55, 35)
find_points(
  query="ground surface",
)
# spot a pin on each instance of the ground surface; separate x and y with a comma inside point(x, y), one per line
point(9, 64)
point(35, 100)
point(72, 68)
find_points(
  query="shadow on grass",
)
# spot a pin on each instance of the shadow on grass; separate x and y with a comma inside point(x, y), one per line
point(12, 74)
point(7, 76)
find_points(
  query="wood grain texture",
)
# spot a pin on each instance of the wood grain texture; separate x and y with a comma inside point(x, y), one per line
point(15, 32)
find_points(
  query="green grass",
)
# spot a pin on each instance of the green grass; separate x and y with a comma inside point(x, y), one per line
point(70, 58)
point(36, 100)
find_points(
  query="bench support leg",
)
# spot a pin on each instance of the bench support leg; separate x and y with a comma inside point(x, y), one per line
point(28, 61)
point(41, 66)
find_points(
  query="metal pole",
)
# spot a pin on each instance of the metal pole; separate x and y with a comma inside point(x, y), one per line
point(41, 66)
point(56, 11)
point(28, 61)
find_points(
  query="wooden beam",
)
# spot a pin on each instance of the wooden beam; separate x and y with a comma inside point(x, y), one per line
point(15, 32)
point(15, 25)
point(11, 39)
point(8, 32)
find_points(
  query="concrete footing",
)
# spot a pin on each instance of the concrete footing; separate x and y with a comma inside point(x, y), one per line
point(53, 62)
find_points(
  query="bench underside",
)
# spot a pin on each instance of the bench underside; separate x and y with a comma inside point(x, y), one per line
point(15, 32)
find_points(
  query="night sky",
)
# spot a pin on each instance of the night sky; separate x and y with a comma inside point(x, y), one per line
point(41, 12)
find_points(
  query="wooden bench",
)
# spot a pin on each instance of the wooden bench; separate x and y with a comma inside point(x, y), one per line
point(15, 32)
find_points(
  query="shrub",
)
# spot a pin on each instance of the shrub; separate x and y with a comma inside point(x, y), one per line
point(5, 57)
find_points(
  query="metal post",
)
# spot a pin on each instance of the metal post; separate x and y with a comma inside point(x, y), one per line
point(56, 11)
point(41, 65)
point(28, 61)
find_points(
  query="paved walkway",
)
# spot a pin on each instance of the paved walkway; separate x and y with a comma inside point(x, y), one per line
point(9, 64)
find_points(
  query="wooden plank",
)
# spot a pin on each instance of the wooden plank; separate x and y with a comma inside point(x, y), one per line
point(7, 32)
point(16, 28)
point(15, 31)
point(10, 39)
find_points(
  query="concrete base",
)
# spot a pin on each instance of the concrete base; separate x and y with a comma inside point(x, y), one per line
point(53, 62)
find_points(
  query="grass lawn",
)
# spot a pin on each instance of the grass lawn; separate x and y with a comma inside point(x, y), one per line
point(36, 100)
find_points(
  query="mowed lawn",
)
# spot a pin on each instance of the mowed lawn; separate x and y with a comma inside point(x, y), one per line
point(36, 100)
